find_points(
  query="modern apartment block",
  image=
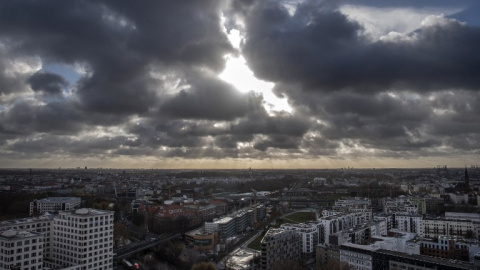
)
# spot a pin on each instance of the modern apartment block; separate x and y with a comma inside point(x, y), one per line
point(21, 250)
point(450, 247)
point(408, 222)
point(78, 240)
point(52, 204)
point(225, 227)
point(279, 245)
point(331, 224)
point(433, 228)
point(309, 235)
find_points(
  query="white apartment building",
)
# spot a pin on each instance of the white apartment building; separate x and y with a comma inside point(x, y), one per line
point(309, 235)
point(225, 227)
point(357, 256)
point(331, 224)
point(21, 249)
point(83, 239)
point(51, 204)
point(433, 228)
point(411, 223)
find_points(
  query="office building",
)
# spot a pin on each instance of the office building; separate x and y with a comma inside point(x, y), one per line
point(21, 250)
point(52, 204)
point(83, 239)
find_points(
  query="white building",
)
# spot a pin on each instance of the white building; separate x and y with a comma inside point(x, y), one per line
point(357, 256)
point(331, 224)
point(41, 224)
point(83, 239)
point(308, 233)
point(433, 228)
point(22, 249)
point(52, 204)
point(411, 223)
point(225, 227)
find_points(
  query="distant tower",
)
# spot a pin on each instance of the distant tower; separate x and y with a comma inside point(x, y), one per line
point(467, 179)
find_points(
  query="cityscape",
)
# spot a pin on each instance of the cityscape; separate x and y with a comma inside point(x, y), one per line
point(239, 135)
point(94, 218)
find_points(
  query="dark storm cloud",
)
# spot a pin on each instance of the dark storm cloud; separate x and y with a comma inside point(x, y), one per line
point(209, 99)
point(48, 83)
point(149, 80)
point(322, 50)
point(117, 42)
point(278, 141)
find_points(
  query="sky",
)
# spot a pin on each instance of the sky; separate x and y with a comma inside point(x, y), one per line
point(239, 83)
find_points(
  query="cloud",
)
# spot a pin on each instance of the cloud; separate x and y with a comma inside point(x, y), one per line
point(322, 50)
point(149, 84)
point(48, 83)
point(207, 98)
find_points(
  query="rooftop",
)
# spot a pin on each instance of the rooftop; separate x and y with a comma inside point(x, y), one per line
point(17, 234)
point(58, 199)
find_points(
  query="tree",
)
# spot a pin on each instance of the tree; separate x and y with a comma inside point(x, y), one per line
point(176, 247)
point(120, 234)
point(204, 266)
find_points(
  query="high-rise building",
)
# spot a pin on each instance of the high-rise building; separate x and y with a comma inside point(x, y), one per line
point(84, 239)
point(21, 250)
point(77, 239)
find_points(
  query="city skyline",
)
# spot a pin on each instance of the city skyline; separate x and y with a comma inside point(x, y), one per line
point(239, 84)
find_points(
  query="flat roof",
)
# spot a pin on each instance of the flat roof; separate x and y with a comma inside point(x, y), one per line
point(429, 259)
point(59, 199)
point(18, 234)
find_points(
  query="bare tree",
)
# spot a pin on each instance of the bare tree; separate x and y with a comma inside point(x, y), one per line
point(120, 234)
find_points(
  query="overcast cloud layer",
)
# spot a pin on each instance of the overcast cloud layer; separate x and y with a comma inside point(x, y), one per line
point(148, 92)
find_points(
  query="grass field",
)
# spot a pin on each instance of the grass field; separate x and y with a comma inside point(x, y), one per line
point(255, 244)
point(299, 217)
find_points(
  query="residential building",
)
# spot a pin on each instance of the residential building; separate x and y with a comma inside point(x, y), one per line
point(433, 228)
point(450, 247)
point(408, 222)
point(279, 245)
point(308, 233)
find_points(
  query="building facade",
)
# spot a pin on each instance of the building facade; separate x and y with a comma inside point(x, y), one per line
point(279, 245)
point(52, 204)
point(21, 250)
point(83, 239)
